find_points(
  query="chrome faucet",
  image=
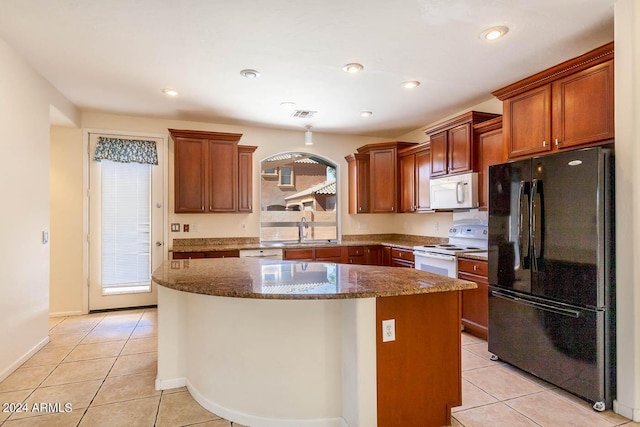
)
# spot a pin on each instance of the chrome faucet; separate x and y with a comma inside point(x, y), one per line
point(303, 224)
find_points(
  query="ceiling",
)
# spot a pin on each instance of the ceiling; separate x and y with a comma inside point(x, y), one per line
point(118, 55)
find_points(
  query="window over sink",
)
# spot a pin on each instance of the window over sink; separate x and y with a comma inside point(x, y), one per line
point(299, 199)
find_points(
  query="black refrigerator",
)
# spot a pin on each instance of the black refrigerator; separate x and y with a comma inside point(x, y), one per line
point(551, 270)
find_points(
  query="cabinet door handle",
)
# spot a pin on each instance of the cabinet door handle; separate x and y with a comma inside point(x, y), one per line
point(556, 142)
point(544, 143)
point(393, 208)
point(249, 207)
point(475, 267)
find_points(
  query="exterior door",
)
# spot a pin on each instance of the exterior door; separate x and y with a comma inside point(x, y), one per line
point(126, 241)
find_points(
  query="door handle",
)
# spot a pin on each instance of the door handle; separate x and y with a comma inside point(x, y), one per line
point(158, 243)
point(538, 305)
point(459, 193)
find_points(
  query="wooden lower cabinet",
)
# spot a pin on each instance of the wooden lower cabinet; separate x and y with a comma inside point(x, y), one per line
point(419, 376)
point(402, 258)
point(207, 254)
point(364, 255)
point(475, 302)
point(306, 254)
point(330, 254)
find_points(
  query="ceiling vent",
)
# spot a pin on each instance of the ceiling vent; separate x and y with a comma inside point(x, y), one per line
point(304, 114)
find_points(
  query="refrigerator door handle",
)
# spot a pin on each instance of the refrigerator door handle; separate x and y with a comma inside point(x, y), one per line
point(521, 194)
point(538, 305)
point(534, 230)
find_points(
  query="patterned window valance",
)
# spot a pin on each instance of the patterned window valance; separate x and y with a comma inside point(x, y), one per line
point(126, 151)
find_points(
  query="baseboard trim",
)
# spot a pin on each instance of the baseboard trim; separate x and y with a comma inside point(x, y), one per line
point(170, 383)
point(15, 365)
point(632, 413)
point(66, 313)
point(254, 421)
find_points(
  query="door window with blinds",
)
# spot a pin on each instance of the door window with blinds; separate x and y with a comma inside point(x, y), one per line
point(125, 214)
point(126, 233)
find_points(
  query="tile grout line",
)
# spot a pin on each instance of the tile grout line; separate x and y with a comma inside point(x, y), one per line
point(110, 369)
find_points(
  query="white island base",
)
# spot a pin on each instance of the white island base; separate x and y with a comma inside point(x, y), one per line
point(271, 362)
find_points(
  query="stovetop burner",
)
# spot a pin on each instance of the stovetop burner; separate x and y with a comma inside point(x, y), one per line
point(462, 238)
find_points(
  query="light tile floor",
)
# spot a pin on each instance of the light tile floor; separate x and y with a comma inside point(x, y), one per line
point(104, 366)
point(497, 394)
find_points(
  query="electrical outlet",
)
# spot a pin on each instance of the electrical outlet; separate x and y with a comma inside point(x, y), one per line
point(175, 226)
point(185, 228)
point(388, 330)
point(436, 226)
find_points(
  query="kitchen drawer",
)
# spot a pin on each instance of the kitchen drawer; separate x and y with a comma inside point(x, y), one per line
point(395, 262)
point(356, 251)
point(328, 252)
point(402, 254)
point(299, 254)
point(476, 267)
point(188, 255)
point(222, 254)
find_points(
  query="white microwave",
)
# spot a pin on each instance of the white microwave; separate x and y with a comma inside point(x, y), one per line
point(454, 192)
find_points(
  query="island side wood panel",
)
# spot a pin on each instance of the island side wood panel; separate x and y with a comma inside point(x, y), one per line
point(419, 374)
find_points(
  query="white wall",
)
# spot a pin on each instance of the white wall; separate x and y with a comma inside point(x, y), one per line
point(269, 141)
point(24, 185)
point(66, 217)
point(627, 111)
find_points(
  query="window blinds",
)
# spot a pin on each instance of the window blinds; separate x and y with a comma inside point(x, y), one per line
point(126, 224)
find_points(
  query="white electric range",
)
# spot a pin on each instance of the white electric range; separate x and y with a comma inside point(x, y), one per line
point(441, 259)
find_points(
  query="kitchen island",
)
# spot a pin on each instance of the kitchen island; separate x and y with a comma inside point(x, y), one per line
point(281, 343)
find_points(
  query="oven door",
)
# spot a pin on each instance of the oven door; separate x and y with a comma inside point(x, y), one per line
point(435, 263)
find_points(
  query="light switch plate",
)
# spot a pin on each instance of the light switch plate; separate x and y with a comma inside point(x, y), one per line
point(175, 226)
point(388, 330)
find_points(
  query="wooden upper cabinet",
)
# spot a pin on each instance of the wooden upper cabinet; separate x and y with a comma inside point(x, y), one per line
point(358, 165)
point(565, 106)
point(383, 180)
point(407, 166)
point(207, 173)
point(190, 172)
point(439, 156)
point(223, 176)
point(415, 172)
point(423, 177)
point(453, 147)
point(373, 178)
point(528, 122)
point(583, 107)
point(460, 149)
point(245, 178)
point(490, 152)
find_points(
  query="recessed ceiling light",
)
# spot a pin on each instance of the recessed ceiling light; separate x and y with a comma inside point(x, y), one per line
point(287, 105)
point(353, 68)
point(494, 33)
point(366, 113)
point(249, 73)
point(410, 84)
point(170, 92)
